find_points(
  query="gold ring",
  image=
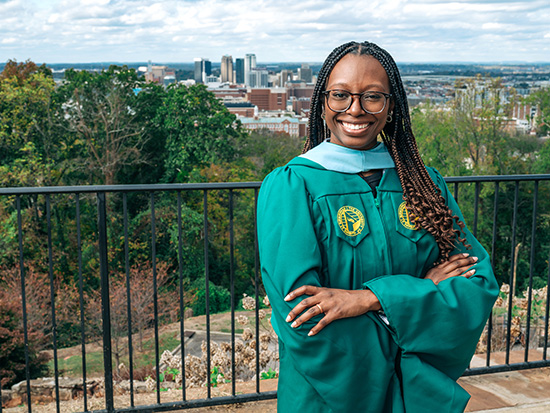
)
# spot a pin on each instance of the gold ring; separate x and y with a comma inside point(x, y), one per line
point(320, 308)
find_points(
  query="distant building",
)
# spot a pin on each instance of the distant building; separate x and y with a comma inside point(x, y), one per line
point(293, 126)
point(203, 68)
point(285, 77)
point(257, 77)
point(239, 71)
point(268, 98)
point(226, 74)
point(305, 73)
point(249, 64)
point(242, 109)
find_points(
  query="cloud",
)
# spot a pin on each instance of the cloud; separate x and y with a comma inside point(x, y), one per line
point(276, 30)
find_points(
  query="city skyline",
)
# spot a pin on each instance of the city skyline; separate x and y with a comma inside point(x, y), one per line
point(82, 31)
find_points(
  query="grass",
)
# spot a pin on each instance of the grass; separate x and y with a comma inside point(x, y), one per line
point(72, 365)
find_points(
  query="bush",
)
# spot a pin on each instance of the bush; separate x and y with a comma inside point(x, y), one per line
point(12, 346)
point(219, 300)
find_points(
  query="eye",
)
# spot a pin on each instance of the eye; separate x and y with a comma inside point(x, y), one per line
point(373, 96)
point(339, 94)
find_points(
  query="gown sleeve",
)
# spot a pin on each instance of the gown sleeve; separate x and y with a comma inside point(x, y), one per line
point(331, 368)
point(437, 327)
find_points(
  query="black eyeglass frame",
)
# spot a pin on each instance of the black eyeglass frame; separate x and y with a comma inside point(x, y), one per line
point(386, 96)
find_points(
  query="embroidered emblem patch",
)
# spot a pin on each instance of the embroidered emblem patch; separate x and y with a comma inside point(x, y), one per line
point(350, 220)
point(404, 217)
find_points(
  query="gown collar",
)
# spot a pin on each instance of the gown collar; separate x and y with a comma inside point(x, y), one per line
point(339, 158)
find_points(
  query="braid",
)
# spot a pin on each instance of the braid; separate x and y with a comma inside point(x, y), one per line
point(423, 198)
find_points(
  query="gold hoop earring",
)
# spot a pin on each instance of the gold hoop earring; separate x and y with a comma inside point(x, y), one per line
point(389, 118)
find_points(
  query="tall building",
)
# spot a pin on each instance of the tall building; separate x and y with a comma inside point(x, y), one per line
point(249, 64)
point(203, 68)
point(227, 69)
point(286, 76)
point(257, 77)
point(305, 73)
point(239, 71)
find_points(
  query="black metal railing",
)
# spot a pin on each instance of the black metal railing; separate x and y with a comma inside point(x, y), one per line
point(90, 226)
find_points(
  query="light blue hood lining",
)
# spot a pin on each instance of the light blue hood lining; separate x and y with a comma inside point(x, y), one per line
point(351, 161)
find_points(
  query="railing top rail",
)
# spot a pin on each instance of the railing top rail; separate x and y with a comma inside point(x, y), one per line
point(498, 178)
point(127, 188)
point(225, 185)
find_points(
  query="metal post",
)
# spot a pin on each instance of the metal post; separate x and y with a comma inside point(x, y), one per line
point(105, 304)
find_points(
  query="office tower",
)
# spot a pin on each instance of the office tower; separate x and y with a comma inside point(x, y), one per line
point(305, 73)
point(286, 76)
point(239, 71)
point(249, 64)
point(203, 68)
point(257, 77)
point(227, 69)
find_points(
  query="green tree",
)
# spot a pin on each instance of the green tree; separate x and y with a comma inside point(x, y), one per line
point(541, 99)
point(105, 111)
point(27, 148)
point(199, 131)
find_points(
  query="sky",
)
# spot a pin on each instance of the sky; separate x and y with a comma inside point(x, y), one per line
point(164, 31)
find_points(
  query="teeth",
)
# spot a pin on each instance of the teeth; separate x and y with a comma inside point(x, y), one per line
point(354, 126)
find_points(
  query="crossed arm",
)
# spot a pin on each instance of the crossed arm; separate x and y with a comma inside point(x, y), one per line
point(337, 303)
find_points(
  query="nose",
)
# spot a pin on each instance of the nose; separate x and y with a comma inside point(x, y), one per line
point(355, 109)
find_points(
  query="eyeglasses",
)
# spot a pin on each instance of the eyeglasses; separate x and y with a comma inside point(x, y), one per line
point(371, 102)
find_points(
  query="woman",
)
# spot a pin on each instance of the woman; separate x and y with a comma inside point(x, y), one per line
point(379, 292)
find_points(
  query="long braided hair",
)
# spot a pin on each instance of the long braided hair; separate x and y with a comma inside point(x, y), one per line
point(424, 202)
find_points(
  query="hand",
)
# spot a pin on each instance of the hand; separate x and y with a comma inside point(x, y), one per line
point(457, 265)
point(334, 303)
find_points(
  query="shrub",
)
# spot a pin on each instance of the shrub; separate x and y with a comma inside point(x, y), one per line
point(12, 345)
point(219, 299)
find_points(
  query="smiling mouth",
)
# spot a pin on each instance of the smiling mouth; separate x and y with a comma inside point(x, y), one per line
point(355, 126)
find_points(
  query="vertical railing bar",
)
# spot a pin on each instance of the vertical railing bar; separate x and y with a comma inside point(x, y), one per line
point(531, 270)
point(155, 293)
point(512, 266)
point(456, 192)
point(52, 298)
point(547, 312)
point(182, 307)
point(128, 296)
point(476, 208)
point(207, 292)
point(24, 302)
point(256, 289)
point(493, 250)
point(105, 300)
point(232, 292)
point(81, 301)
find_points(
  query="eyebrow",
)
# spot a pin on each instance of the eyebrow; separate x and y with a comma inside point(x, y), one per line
point(346, 86)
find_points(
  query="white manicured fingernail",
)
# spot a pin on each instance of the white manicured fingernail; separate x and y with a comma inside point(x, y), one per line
point(294, 324)
point(287, 298)
point(465, 254)
point(310, 333)
point(475, 259)
point(288, 318)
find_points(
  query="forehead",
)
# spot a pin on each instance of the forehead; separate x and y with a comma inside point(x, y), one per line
point(358, 72)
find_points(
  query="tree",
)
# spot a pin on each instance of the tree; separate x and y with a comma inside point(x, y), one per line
point(199, 131)
point(27, 153)
point(104, 110)
point(472, 135)
point(541, 99)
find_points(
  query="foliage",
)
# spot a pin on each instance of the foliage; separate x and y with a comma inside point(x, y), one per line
point(541, 99)
point(219, 299)
point(199, 131)
point(12, 345)
point(471, 135)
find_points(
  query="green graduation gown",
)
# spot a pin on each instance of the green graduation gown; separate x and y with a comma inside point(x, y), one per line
point(325, 228)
